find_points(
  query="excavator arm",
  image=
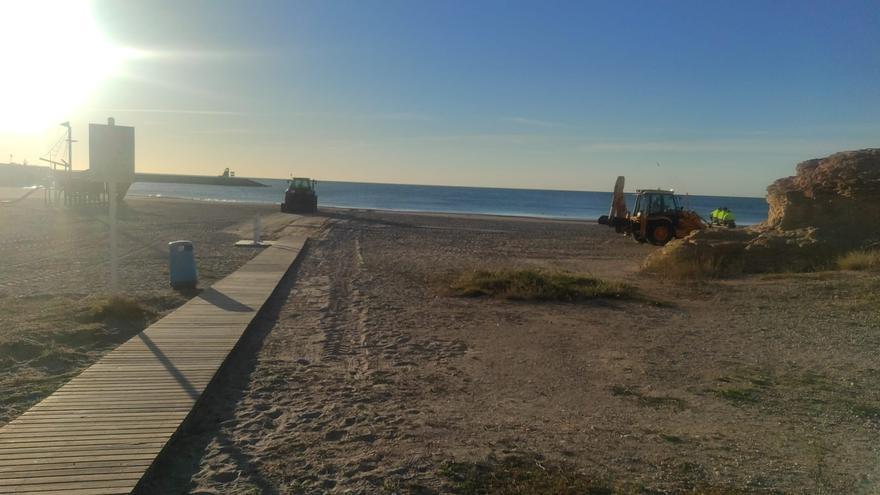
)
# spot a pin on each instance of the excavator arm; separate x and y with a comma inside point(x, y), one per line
point(618, 214)
point(618, 201)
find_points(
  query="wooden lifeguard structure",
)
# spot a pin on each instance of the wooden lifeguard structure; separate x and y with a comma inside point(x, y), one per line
point(90, 186)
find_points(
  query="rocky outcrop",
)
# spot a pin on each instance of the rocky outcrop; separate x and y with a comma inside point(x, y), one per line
point(831, 206)
point(839, 195)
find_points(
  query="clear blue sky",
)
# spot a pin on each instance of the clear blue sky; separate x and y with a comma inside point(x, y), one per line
point(725, 95)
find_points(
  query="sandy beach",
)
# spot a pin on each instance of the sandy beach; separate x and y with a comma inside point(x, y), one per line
point(365, 375)
point(514, 248)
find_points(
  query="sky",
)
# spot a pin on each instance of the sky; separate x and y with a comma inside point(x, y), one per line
point(706, 97)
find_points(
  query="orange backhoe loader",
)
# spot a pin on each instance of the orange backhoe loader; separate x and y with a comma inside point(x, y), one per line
point(656, 218)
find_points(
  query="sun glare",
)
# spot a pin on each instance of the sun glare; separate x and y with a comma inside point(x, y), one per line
point(54, 56)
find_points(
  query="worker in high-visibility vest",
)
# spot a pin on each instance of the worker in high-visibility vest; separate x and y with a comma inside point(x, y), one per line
point(726, 218)
point(715, 216)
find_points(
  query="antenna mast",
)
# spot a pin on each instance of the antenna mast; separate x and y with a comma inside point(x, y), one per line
point(70, 142)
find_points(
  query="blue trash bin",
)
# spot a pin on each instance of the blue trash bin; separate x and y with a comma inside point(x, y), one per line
point(182, 264)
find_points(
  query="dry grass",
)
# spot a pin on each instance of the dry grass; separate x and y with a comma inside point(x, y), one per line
point(117, 308)
point(522, 476)
point(534, 285)
point(62, 334)
point(860, 260)
point(683, 265)
point(648, 400)
point(534, 475)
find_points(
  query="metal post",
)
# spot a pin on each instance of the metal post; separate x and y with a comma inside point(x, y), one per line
point(69, 150)
point(69, 155)
point(114, 257)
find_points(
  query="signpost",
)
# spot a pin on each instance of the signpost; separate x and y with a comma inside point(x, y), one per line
point(111, 160)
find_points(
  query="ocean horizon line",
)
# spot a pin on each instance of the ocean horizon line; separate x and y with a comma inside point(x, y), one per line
point(506, 188)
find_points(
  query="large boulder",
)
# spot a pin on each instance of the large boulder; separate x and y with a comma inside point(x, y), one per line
point(831, 206)
point(838, 194)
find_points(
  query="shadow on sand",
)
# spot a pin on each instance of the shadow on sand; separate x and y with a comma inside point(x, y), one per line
point(223, 301)
point(180, 461)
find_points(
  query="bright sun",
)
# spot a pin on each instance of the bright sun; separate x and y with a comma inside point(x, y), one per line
point(54, 55)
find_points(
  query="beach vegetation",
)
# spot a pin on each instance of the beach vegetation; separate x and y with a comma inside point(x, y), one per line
point(861, 260)
point(537, 285)
point(522, 475)
point(866, 411)
point(117, 308)
point(741, 395)
point(746, 386)
point(683, 265)
point(533, 475)
point(653, 401)
point(672, 438)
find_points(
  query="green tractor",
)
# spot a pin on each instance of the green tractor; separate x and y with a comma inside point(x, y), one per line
point(300, 196)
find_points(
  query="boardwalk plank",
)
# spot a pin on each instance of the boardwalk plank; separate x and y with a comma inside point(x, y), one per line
point(72, 468)
point(68, 434)
point(30, 462)
point(67, 485)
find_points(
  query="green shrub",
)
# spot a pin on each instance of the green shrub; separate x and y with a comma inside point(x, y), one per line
point(534, 285)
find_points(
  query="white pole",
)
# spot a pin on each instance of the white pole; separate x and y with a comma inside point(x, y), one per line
point(257, 230)
point(114, 257)
point(69, 150)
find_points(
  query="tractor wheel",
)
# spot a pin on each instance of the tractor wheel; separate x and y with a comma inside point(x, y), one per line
point(660, 233)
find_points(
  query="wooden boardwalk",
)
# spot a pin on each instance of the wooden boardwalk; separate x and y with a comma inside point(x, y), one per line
point(101, 432)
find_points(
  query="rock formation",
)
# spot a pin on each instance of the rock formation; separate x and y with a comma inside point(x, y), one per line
point(831, 206)
point(839, 195)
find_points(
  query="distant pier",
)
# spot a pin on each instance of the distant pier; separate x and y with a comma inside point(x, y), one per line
point(13, 174)
point(198, 179)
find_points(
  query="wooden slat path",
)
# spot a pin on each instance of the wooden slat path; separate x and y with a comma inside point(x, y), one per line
point(100, 433)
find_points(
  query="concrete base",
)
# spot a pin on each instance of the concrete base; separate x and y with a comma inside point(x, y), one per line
point(251, 243)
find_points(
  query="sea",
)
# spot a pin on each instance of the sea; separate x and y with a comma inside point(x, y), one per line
point(574, 205)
